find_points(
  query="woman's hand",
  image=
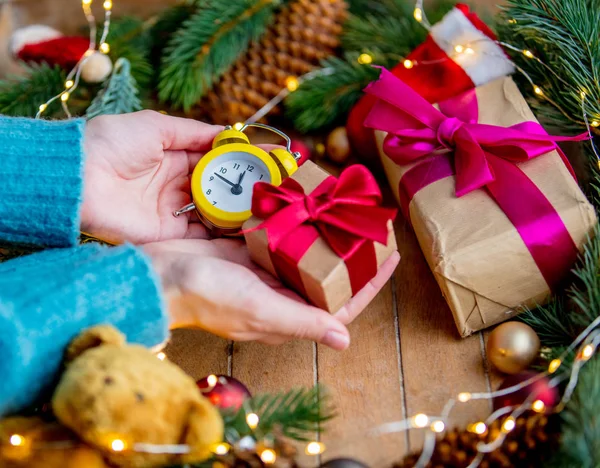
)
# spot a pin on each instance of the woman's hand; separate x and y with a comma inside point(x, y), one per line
point(137, 172)
point(215, 286)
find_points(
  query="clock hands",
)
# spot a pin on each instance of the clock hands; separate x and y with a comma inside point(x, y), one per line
point(236, 189)
point(225, 180)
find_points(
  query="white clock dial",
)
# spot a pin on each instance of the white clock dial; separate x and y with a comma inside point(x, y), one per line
point(228, 180)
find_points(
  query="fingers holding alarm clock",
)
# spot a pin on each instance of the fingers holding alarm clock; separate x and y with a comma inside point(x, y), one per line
point(137, 172)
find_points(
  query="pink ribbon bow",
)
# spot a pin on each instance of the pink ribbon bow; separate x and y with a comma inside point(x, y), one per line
point(480, 156)
point(345, 211)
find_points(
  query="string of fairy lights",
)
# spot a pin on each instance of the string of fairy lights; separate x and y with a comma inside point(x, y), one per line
point(74, 76)
point(586, 343)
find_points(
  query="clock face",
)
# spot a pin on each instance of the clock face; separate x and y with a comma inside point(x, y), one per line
point(227, 181)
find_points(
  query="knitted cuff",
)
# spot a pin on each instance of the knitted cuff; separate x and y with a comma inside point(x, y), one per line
point(41, 171)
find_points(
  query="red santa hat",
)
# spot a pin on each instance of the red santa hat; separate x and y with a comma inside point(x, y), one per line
point(39, 43)
point(459, 53)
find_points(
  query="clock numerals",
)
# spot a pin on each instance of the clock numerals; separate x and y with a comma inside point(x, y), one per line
point(261, 176)
point(214, 202)
point(250, 168)
point(208, 192)
point(223, 170)
point(236, 166)
point(211, 178)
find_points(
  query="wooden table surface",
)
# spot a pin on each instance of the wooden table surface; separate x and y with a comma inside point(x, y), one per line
point(405, 357)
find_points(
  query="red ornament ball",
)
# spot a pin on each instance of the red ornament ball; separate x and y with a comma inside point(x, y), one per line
point(302, 148)
point(223, 391)
point(541, 390)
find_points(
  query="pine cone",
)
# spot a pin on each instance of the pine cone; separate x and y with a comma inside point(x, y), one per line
point(527, 445)
point(304, 33)
point(240, 458)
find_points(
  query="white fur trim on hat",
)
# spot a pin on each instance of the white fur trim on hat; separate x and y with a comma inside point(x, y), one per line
point(31, 35)
point(487, 62)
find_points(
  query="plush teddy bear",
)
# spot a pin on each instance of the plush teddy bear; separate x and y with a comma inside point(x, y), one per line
point(125, 402)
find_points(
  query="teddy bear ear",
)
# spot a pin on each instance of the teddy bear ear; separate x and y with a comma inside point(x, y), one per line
point(204, 430)
point(92, 338)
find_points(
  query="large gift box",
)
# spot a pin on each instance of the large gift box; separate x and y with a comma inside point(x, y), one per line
point(325, 237)
point(493, 201)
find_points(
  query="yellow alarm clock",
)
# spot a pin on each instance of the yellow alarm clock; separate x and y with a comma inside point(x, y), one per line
point(223, 180)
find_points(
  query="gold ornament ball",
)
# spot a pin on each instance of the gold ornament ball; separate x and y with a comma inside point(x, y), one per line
point(512, 347)
point(338, 146)
point(96, 68)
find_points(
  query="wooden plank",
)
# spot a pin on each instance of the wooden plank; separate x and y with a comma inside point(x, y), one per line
point(437, 364)
point(198, 353)
point(266, 368)
point(366, 385)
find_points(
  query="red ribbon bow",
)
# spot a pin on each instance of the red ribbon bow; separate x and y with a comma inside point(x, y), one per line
point(345, 211)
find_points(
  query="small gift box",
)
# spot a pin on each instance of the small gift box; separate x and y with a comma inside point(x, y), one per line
point(324, 237)
point(492, 199)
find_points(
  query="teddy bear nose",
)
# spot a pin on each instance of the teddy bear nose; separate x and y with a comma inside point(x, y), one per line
point(139, 397)
point(108, 380)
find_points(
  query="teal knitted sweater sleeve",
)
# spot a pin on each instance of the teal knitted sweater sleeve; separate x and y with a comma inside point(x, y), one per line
point(48, 298)
point(40, 181)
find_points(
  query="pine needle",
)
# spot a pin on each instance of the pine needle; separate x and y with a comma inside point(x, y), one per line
point(296, 414)
point(119, 95)
point(22, 96)
point(206, 46)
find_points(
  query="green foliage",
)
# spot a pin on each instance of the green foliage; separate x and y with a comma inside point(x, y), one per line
point(296, 414)
point(207, 44)
point(119, 94)
point(565, 35)
point(326, 98)
point(166, 25)
point(580, 422)
point(22, 96)
point(129, 38)
point(384, 29)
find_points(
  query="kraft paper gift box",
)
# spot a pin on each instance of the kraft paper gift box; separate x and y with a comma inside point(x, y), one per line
point(483, 264)
point(304, 259)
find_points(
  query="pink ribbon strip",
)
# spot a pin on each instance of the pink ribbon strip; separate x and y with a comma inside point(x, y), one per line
point(482, 157)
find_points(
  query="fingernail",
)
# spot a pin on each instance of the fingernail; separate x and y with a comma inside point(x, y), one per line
point(336, 340)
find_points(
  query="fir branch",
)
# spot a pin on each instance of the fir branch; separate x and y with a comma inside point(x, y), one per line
point(390, 28)
point(129, 38)
point(561, 321)
point(119, 95)
point(208, 43)
point(580, 424)
point(166, 25)
point(565, 35)
point(22, 96)
point(296, 414)
point(326, 99)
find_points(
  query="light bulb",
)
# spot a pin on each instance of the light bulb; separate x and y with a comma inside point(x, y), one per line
point(554, 365)
point(478, 428)
point(221, 449)
point(464, 397)
point(469, 51)
point(212, 380)
point(17, 440)
point(587, 352)
point(69, 84)
point(64, 97)
point(365, 59)
point(509, 424)
point(538, 90)
point(117, 445)
point(161, 356)
point(538, 406)
point(420, 420)
point(595, 123)
point(459, 49)
point(268, 456)
point(86, 2)
point(438, 426)
point(418, 14)
point(43, 107)
point(238, 126)
point(291, 83)
point(527, 53)
point(408, 64)
point(107, 4)
point(315, 448)
point(252, 420)
point(104, 48)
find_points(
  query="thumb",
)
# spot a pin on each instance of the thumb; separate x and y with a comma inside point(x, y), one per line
point(288, 317)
